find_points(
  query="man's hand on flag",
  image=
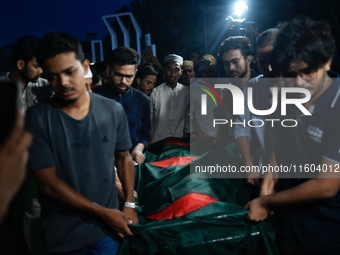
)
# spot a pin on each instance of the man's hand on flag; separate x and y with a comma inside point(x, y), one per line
point(257, 211)
point(137, 153)
point(118, 221)
point(131, 215)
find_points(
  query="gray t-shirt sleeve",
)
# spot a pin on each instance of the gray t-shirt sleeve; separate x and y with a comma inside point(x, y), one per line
point(40, 154)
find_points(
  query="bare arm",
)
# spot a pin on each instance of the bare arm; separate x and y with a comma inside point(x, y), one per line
point(126, 174)
point(244, 144)
point(13, 158)
point(245, 148)
point(270, 179)
point(243, 137)
point(60, 191)
point(324, 187)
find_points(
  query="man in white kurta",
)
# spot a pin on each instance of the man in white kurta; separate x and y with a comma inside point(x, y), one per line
point(169, 103)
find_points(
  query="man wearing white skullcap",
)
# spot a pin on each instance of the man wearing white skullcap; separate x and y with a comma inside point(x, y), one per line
point(169, 103)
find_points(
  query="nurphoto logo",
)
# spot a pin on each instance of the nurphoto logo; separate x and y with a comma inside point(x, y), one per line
point(238, 103)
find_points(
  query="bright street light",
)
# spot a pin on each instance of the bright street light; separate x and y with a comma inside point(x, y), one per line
point(240, 8)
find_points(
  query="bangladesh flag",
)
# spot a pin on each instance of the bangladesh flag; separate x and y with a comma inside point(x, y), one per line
point(183, 213)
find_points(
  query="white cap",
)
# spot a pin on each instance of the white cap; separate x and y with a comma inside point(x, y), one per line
point(89, 73)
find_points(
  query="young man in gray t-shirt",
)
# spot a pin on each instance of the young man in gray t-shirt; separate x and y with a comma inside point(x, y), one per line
point(78, 138)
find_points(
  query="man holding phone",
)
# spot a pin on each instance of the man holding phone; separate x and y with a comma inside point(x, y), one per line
point(78, 139)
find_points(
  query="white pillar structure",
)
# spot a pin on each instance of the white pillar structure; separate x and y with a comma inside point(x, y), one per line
point(93, 49)
point(124, 30)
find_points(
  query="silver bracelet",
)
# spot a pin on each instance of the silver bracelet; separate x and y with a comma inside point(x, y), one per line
point(130, 205)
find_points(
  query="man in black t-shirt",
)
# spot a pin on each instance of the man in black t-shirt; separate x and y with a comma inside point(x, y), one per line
point(310, 199)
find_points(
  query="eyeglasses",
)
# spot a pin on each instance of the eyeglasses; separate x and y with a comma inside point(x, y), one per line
point(307, 76)
point(119, 76)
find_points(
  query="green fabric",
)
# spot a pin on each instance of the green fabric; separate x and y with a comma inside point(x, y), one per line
point(217, 228)
point(210, 234)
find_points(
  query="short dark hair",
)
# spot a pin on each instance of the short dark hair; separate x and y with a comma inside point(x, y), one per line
point(241, 43)
point(146, 69)
point(303, 39)
point(124, 56)
point(267, 37)
point(55, 43)
point(100, 66)
point(190, 50)
point(25, 49)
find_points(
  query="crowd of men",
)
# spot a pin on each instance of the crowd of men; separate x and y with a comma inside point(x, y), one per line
point(81, 139)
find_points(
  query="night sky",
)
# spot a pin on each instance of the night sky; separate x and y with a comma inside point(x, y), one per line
point(37, 17)
point(78, 17)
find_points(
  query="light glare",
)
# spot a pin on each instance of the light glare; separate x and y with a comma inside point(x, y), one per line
point(240, 8)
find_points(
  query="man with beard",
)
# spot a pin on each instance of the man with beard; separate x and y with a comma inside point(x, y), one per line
point(188, 72)
point(123, 68)
point(146, 78)
point(235, 52)
point(78, 139)
point(26, 71)
point(169, 103)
